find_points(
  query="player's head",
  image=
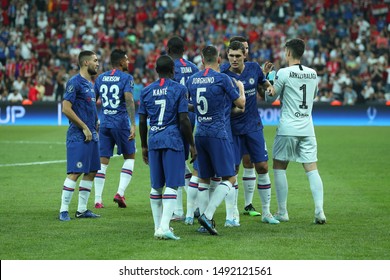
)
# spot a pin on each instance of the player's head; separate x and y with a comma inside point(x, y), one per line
point(243, 40)
point(295, 48)
point(236, 55)
point(165, 67)
point(119, 60)
point(88, 60)
point(210, 55)
point(175, 46)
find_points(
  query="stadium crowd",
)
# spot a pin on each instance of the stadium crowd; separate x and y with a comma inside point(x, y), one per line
point(347, 40)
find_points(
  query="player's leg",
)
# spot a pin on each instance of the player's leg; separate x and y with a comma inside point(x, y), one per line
point(249, 185)
point(222, 160)
point(157, 180)
point(283, 152)
point(106, 146)
point(127, 148)
point(257, 149)
point(281, 187)
point(174, 169)
point(308, 156)
point(99, 181)
point(67, 194)
point(91, 164)
point(192, 193)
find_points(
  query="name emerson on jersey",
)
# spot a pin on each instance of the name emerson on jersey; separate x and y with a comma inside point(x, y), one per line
point(111, 79)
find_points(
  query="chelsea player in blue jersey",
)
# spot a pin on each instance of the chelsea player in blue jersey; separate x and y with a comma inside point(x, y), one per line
point(117, 127)
point(247, 127)
point(183, 70)
point(211, 92)
point(82, 144)
point(165, 103)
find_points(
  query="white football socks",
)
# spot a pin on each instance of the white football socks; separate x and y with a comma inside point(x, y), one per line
point(99, 181)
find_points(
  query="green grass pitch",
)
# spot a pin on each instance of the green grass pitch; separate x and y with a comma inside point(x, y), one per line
point(353, 164)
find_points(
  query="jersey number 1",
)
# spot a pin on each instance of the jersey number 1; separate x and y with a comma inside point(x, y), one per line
point(303, 105)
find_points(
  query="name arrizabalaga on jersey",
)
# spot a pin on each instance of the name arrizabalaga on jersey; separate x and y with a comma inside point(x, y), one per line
point(303, 75)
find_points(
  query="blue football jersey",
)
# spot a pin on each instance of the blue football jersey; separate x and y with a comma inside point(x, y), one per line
point(250, 120)
point(162, 101)
point(79, 91)
point(183, 70)
point(210, 92)
point(111, 87)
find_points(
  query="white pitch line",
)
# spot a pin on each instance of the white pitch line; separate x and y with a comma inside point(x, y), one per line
point(31, 163)
point(38, 162)
point(33, 142)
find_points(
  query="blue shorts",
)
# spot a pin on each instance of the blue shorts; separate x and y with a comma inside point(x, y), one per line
point(108, 137)
point(82, 157)
point(215, 157)
point(167, 168)
point(252, 143)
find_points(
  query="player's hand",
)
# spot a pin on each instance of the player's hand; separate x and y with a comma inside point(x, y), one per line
point(268, 66)
point(132, 132)
point(88, 134)
point(270, 91)
point(194, 153)
point(145, 155)
point(97, 126)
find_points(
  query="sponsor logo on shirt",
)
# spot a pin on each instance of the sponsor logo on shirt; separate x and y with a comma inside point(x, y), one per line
point(205, 119)
point(157, 128)
point(301, 115)
point(250, 92)
point(110, 112)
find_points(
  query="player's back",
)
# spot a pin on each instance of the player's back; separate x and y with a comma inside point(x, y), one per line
point(210, 91)
point(111, 87)
point(162, 101)
point(297, 86)
point(183, 70)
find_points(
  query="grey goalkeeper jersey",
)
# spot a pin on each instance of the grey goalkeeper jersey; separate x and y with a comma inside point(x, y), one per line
point(297, 87)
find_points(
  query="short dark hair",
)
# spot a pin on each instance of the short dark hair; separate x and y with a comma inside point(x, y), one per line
point(165, 65)
point(236, 45)
point(175, 45)
point(84, 56)
point(241, 39)
point(210, 54)
point(296, 46)
point(116, 56)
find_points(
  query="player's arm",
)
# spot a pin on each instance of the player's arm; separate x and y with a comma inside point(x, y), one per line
point(278, 88)
point(71, 115)
point(143, 133)
point(130, 107)
point(186, 130)
point(240, 102)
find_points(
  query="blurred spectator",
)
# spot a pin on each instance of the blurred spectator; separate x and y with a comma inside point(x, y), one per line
point(341, 34)
point(60, 82)
point(14, 96)
point(350, 96)
point(368, 91)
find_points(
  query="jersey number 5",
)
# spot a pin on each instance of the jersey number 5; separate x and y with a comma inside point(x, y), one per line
point(201, 101)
